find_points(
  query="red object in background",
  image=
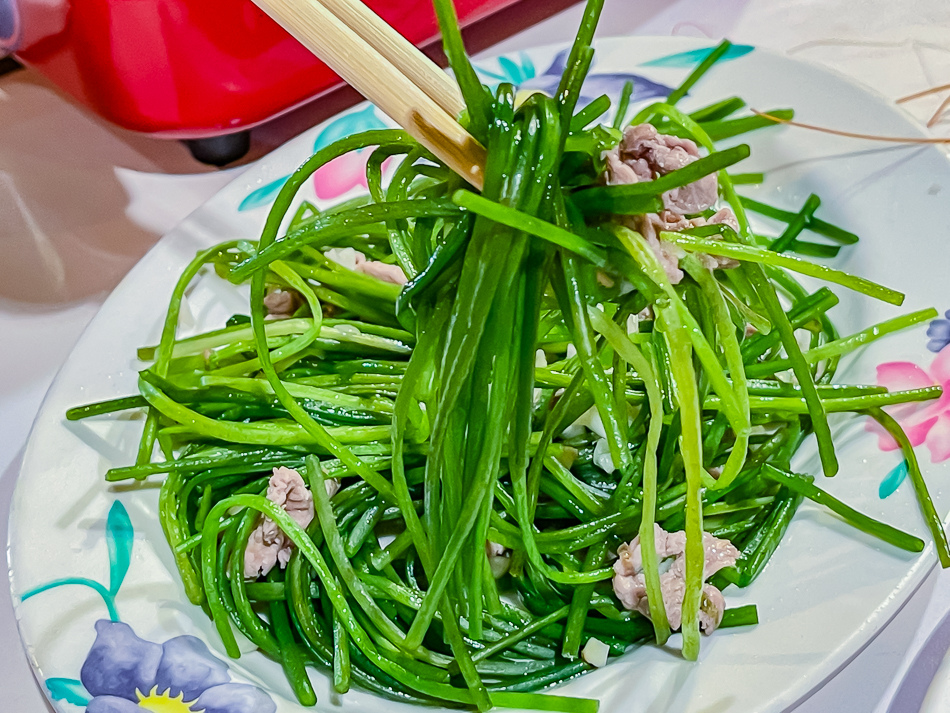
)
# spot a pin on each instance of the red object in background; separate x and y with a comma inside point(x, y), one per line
point(192, 68)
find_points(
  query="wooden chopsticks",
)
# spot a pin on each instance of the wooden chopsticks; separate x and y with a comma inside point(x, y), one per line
point(388, 70)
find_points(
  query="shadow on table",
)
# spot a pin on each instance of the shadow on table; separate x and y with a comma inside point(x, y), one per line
point(81, 201)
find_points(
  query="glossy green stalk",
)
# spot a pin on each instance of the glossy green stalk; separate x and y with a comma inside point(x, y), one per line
point(598, 107)
point(747, 253)
point(726, 332)
point(643, 197)
point(765, 291)
point(531, 225)
point(789, 236)
point(645, 370)
point(842, 404)
point(163, 354)
point(804, 486)
point(328, 581)
point(846, 344)
point(572, 290)
point(314, 430)
point(708, 61)
point(267, 432)
point(582, 42)
point(330, 227)
point(341, 656)
point(331, 534)
point(623, 104)
point(726, 129)
point(476, 97)
point(687, 399)
point(636, 246)
point(175, 533)
point(927, 508)
point(718, 110)
point(291, 655)
point(814, 224)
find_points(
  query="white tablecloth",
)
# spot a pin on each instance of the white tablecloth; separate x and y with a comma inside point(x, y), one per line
point(81, 201)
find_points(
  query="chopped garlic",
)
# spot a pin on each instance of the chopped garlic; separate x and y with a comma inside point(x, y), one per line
point(633, 324)
point(540, 362)
point(595, 652)
point(602, 457)
point(347, 257)
point(499, 558)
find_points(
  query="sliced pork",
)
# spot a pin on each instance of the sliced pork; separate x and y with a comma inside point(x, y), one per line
point(629, 582)
point(268, 545)
point(353, 259)
point(281, 304)
point(650, 225)
point(645, 154)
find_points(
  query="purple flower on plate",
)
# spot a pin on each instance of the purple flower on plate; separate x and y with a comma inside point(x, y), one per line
point(126, 674)
point(939, 333)
point(596, 83)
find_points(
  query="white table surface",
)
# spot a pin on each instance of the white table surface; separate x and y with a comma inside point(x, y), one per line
point(81, 201)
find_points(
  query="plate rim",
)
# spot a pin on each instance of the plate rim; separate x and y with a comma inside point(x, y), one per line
point(908, 585)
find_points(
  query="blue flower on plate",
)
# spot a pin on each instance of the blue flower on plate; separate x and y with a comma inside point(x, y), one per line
point(510, 69)
point(939, 333)
point(596, 83)
point(523, 74)
point(689, 59)
point(126, 674)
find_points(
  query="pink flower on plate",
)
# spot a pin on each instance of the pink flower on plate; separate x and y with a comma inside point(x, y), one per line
point(343, 174)
point(925, 422)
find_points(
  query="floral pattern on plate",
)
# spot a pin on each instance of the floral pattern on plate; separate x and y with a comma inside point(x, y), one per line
point(126, 674)
point(939, 333)
point(925, 423)
point(123, 673)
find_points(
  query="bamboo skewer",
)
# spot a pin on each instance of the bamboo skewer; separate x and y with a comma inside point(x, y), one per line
point(400, 52)
point(386, 69)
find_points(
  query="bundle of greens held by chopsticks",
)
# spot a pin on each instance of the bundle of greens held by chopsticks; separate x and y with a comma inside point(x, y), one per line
point(467, 557)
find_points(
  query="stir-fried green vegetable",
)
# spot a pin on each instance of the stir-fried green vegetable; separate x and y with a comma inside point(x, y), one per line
point(444, 407)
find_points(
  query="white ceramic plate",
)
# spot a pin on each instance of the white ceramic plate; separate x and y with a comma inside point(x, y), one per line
point(827, 591)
